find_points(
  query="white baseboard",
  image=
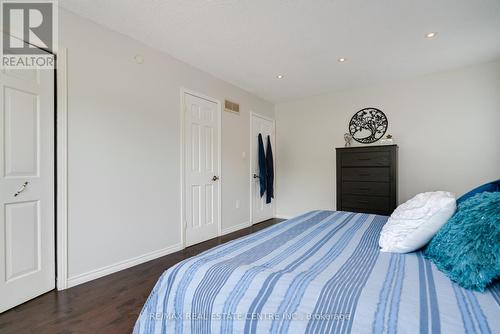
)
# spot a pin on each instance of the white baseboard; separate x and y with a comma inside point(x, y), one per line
point(280, 216)
point(235, 228)
point(100, 272)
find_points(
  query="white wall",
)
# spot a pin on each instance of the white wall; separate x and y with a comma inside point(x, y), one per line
point(123, 143)
point(446, 126)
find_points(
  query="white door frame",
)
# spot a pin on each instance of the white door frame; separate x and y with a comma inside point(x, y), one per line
point(62, 170)
point(250, 176)
point(182, 157)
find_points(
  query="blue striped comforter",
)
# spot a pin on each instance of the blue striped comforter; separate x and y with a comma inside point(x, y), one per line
point(321, 272)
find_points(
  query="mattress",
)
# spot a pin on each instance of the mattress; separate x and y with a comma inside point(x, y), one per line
point(321, 272)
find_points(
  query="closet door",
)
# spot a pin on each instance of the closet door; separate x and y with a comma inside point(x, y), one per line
point(201, 169)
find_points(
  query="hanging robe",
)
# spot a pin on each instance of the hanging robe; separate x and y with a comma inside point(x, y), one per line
point(262, 166)
point(269, 172)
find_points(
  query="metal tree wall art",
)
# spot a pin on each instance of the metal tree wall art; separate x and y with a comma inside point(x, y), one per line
point(368, 125)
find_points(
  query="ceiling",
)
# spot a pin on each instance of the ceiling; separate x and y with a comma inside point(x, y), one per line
point(249, 42)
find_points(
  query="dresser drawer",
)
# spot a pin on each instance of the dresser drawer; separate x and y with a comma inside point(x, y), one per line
point(366, 159)
point(371, 203)
point(373, 174)
point(366, 188)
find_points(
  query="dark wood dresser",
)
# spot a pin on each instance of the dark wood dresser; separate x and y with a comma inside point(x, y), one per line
point(367, 179)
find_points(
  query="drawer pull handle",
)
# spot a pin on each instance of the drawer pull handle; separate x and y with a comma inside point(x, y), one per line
point(364, 189)
point(364, 159)
point(363, 201)
point(364, 174)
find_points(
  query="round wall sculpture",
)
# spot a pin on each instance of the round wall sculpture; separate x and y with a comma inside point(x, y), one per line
point(368, 125)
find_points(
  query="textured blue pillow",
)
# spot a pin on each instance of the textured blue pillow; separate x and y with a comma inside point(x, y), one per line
point(491, 187)
point(467, 247)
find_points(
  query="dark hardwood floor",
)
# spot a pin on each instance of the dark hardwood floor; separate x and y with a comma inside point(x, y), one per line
point(107, 305)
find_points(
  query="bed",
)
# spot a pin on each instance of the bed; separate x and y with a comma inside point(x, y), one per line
point(321, 272)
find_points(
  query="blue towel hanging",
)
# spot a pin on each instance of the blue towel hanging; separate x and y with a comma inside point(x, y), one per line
point(270, 171)
point(262, 167)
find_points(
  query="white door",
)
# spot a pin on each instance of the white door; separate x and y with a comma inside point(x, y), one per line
point(260, 210)
point(27, 260)
point(201, 169)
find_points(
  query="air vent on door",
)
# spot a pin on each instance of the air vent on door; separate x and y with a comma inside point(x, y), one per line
point(231, 106)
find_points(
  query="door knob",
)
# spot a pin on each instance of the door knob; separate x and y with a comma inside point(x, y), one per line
point(215, 178)
point(23, 188)
point(255, 176)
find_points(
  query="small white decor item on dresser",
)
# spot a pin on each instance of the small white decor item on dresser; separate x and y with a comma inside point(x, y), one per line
point(347, 139)
point(387, 140)
point(413, 224)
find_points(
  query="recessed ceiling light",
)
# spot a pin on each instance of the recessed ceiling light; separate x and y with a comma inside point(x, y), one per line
point(431, 34)
point(139, 59)
point(341, 60)
point(280, 76)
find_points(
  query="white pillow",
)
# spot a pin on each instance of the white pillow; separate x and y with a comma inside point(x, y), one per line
point(413, 224)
